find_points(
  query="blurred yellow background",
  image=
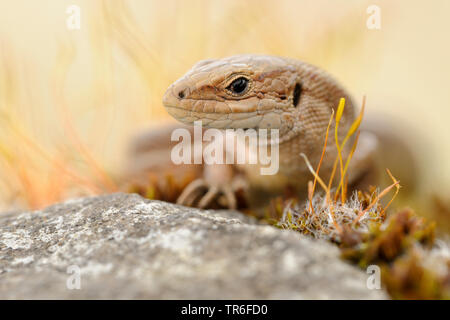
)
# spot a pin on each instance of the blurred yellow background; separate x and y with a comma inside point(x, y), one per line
point(71, 99)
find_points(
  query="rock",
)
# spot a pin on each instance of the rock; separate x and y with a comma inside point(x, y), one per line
point(126, 247)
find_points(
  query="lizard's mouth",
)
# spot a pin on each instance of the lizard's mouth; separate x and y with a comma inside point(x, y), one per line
point(215, 119)
point(223, 115)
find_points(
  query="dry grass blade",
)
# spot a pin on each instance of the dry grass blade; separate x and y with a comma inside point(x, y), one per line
point(347, 163)
point(397, 186)
point(311, 194)
point(353, 128)
point(314, 173)
point(60, 74)
point(339, 113)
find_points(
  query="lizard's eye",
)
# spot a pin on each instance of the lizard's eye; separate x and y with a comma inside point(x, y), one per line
point(238, 86)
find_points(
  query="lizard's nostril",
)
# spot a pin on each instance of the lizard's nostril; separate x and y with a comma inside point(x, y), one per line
point(181, 94)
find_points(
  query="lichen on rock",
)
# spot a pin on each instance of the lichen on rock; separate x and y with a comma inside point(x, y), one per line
point(128, 247)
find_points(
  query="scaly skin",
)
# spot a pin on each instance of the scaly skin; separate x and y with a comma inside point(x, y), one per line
point(268, 101)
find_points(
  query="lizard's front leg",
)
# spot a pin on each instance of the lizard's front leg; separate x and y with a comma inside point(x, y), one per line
point(220, 182)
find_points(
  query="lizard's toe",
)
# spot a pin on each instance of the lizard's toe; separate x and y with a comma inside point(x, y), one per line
point(230, 197)
point(208, 197)
point(191, 193)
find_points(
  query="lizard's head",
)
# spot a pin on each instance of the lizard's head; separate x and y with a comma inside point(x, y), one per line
point(254, 91)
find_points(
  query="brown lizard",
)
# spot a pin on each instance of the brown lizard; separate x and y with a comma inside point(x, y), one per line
point(258, 92)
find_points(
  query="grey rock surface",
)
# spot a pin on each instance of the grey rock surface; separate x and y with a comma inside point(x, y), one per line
point(125, 247)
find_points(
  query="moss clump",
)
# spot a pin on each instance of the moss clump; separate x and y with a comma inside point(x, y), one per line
point(384, 242)
point(403, 247)
point(408, 278)
point(338, 222)
point(413, 264)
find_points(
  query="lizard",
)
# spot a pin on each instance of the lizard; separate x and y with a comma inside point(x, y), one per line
point(262, 92)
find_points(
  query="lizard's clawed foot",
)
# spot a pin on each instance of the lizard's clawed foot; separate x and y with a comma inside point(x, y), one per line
point(201, 193)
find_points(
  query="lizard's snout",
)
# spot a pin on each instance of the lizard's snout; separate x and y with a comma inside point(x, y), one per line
point(172, 101)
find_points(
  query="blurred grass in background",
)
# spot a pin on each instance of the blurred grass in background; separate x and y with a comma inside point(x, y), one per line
point(71, 99)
